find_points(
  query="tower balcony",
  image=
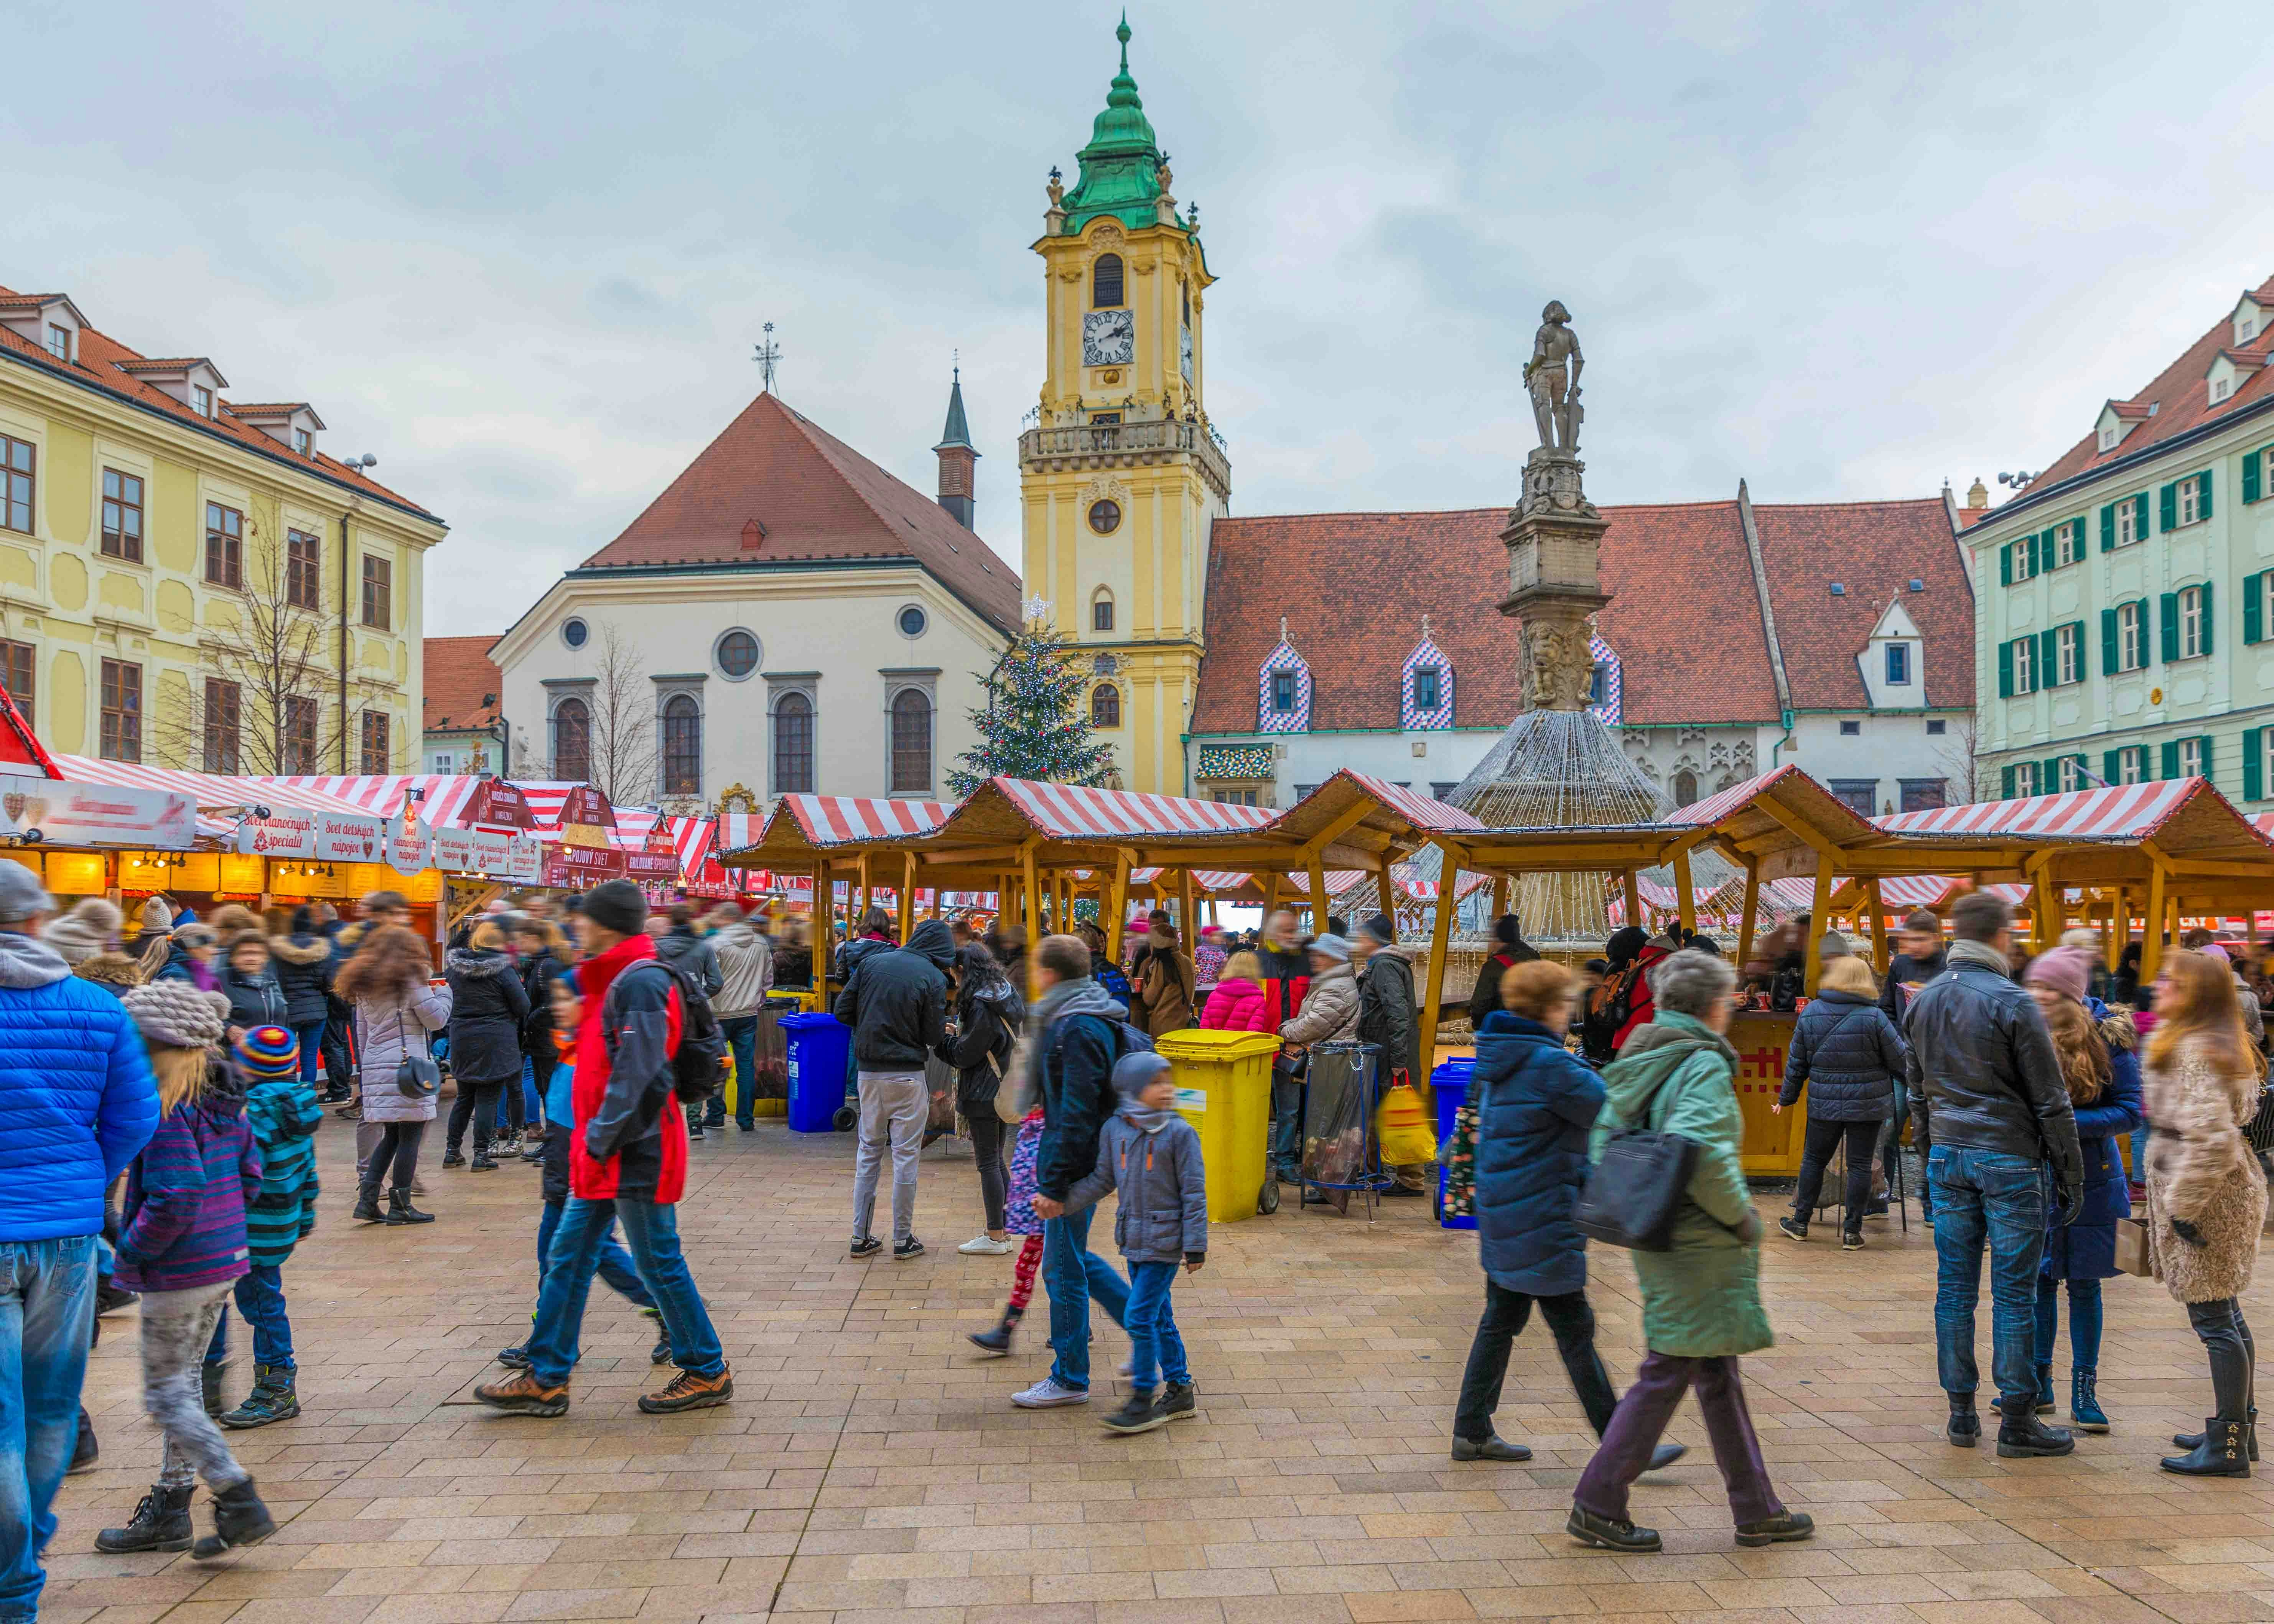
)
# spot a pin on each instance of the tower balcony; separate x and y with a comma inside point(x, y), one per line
point(1128, 444)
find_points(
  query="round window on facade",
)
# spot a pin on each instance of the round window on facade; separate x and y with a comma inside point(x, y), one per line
point(913, 622)
point(1105, 517)
point(735, 654)
point(573, 632)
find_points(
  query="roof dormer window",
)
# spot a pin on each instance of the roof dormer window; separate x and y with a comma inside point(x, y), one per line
point(201, 400)
point(59, 341)
point(2220, 387)
point(304, 443)
point(2108, 436)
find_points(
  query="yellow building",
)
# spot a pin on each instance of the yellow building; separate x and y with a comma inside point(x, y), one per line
point(189, 581)
point(1122, 475)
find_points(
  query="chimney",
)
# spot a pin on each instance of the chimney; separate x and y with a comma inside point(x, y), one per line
point(958, 459)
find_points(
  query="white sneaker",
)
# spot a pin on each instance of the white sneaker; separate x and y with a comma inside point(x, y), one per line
point(1048, 1394)
point(982, 1246)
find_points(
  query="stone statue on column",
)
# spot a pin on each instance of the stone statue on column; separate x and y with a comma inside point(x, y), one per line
point(1553, 377)
point(1554, 536)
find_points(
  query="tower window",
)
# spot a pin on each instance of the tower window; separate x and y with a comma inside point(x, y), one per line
point(1101, 611)
point(1105, 706)
point(1105, 282)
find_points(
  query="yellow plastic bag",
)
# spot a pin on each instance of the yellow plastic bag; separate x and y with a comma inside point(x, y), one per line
point(1402, 1127)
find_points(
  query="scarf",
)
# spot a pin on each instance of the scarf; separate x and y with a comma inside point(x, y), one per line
point(1983, 955)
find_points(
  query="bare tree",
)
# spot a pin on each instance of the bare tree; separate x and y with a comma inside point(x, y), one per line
point(623, 746)
point(1969, 780)
point(264, 700)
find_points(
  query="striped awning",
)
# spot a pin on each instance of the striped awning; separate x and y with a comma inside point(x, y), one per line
point(212, 791)
point(2127, 811)
point(1072, 813)
point(443, 797)
point(1419, 809)
point(835, 820)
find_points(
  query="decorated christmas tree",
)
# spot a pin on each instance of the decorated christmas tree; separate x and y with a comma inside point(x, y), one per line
point(1034, 724)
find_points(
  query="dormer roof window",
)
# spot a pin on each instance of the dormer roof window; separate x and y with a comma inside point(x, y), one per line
point(49, 320)
point(2118, 418)
point(193, 381)
point(294, 423)
point(2229, 370)
point(59, 341)
point(2254, 313)
point(1890, 664)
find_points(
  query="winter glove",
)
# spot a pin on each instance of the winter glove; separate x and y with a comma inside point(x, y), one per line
point(2187, 1232)
point(2071, 1201)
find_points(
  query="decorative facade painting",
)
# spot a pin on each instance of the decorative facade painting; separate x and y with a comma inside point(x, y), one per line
point(1604, 702)
point(1283, 696)
point(1231, 763)
point(1424, 687)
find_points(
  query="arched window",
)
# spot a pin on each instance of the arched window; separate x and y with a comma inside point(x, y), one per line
point(911, 742)
point(1105, 282)
point(572, 740)
point(794, 745)
point(1101, 611)
point(1685, 787)
point(1105, 706)
point(682, 746)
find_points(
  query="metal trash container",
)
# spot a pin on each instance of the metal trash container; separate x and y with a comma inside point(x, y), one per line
point(1338, 1150)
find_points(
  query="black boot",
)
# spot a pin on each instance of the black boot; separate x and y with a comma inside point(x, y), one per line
point(160, 1522)
point(997, 1344)
point(210, 1376)
point(366, 1206)
point(239, 1519)
point(2225, 1452)
point(88, 1450)
point(2193, 1440)
point(400, 1211)
point(1965, 1426)
point(272, 1398)
point(2021, 1434)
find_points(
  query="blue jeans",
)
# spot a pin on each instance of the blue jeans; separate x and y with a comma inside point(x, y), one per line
point(1072, 1274)
point(1287, 1124)
point(741, 1035)
point(310, 1034)
point(1159, 1353)
point(1987, 1196)
point(47, 1313)
point(2083, 1321)
point(651, 1228)
point(615, 1266)
point(261, 1299)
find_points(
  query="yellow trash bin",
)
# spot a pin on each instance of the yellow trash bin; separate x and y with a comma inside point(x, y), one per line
point(1224, 1089)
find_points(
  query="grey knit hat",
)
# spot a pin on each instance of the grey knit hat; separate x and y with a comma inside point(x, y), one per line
point(22, 897)
point(79, 935)
point(1331, 946)
point(174, 1014)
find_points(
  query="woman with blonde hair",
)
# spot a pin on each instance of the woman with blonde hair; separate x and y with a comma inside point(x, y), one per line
point(1847, 1054)
point(2206, 1193)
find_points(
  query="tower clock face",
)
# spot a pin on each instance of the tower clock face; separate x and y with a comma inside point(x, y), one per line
point(1109, 338)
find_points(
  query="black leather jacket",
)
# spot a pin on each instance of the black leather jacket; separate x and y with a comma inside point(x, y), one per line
point(1983, 1065)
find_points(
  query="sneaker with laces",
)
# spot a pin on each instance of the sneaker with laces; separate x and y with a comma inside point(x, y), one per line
point(902, 1251)
point(521, 1394)
point(1794, 1229)
point(985, 1246)
point(689, 1391)
point(1140, 1412)
point(1048, 1394)
point(866, 1246)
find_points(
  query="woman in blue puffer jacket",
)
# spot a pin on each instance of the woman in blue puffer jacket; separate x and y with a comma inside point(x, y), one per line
point(1536, 1103)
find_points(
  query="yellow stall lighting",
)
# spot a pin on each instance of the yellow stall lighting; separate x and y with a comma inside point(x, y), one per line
point(242, 873)
point(76, 874)
point(365, 878)
point(30, 860)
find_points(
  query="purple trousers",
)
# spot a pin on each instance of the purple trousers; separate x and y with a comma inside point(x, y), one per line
point(1641, 1418)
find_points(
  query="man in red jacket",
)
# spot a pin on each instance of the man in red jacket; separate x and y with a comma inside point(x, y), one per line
point(627, 1158)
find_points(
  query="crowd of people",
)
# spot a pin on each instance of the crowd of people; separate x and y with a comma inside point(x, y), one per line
point(168, 1088)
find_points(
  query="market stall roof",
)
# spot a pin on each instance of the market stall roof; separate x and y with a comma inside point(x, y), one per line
point(20, 745)
point(2179, 814)
point(445, 800)
point(1357, 817)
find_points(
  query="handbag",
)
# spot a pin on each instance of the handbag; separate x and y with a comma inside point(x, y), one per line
point(416, 1077)
point(1634, 1194)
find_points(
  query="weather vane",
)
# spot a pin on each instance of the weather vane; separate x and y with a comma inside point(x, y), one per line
point(769, 354)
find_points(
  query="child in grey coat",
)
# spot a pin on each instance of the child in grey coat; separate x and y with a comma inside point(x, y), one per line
point(1152, 1157)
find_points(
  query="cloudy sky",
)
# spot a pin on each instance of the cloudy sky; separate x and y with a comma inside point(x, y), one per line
point(521, 252)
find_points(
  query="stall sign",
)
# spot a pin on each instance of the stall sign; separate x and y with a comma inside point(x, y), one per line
point(240, 874)
point(576, 867)
point(409, 848)
point(498, 804)
point(525, 859)
point(77, 874)
point(492, 851)
point(655, 858)
point(586, 818)
point(98, 814)
point(287, 831)
point(348, 837)
point(365, 878)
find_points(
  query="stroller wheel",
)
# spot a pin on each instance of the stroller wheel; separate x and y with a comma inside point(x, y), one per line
point(845, 1119)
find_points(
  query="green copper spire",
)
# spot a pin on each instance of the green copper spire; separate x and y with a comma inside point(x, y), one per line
point(1120, 168)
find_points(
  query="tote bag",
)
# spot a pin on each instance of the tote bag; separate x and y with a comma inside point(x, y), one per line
point(1634, 1193)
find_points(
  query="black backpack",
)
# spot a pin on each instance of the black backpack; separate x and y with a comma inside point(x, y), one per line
point(1609, 1008)
point(698, 1067)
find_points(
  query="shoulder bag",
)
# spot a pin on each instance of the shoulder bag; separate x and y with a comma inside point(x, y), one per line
point(416, 1077)
point(1634, 1194)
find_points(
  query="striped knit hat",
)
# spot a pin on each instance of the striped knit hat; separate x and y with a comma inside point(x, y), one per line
point(268, 1052)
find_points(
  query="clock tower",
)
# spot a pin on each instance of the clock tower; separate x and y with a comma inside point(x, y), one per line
point(1120, 473)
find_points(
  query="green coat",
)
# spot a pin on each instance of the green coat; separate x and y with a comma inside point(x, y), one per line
point(1702, 1299)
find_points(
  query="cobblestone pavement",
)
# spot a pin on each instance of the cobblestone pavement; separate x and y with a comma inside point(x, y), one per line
point(870, 1468)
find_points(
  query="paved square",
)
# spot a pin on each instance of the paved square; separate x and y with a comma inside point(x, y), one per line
point(870, 1468)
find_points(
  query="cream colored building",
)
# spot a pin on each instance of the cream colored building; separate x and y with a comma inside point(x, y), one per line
point(785, 616)
point(153, 530)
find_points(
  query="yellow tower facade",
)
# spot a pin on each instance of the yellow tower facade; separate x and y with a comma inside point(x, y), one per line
point(1121, 474)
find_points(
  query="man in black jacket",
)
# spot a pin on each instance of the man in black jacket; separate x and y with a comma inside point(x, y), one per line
point(1920, 960)
point(1286, 978)
point(896, 1003)
point(1078, 1038)
point(1389, 1014)
point(1984, 1070)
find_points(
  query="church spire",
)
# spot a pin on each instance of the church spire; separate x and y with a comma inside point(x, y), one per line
point(956, 432)
point(958, 458)
point(1120, 168)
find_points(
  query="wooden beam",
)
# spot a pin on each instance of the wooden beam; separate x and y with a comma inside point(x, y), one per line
point(864, 895)
point(1819, 920)
point(823, 921)
point(1318, 877)
point(1187, 926)
point(1878, 925)
point(1684, 903)
point(908, 894)
point(1117, 904)
point(1745, 920)
point(1441, 936)
point(1388, 894)
point(1270, 894)
point(1500, 890)
point(1034, 938)
point(2152, 929)
point(1634, 899)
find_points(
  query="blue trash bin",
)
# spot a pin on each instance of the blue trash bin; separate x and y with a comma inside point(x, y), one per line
point(1450, 1083)
point(819, 1048)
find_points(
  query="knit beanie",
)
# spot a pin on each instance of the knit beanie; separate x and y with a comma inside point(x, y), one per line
point(1379, 930)
point(267, 1053)
point(1134, 1071)
point(174, 1014)
point(22, 897)
point(79, 935)
point(2063, 969)
point(1834, 946)
point(618, 905)
point(1332, 946)
point(157, 914)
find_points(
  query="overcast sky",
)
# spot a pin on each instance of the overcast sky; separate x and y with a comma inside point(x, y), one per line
point(522, 252)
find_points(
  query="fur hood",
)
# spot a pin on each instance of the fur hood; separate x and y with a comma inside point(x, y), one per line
point(110, 969)
point(476, 961)
point(2118, 1030)
point(314, 950)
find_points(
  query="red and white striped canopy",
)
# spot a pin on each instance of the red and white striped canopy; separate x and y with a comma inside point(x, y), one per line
point(834, 820)
point(1419, 810)
point(443, 796)
point(1072, 813)
point(2127, 811)
point(211, 791)
point(1719, 805)
point(1905, 891)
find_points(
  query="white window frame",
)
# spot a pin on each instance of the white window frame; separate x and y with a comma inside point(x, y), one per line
point(2131, 634)
point(2025, 780)
point(2025, 565)
point(304, 443)
point(2069, 544)
point(2130, 762)
point(2266, 755)
point(59, 341)
point(2072, 774)
point(2025, 666)
point(2188, 504)
point(2066, 656)
point(2108, 438)
point(2191, 754)
point(1899, 653)
point(201, 400)
point(2220, 390)
point(2191, 622)
point(2128, 521)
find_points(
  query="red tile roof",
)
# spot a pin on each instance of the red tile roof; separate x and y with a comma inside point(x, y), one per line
point(1875, 550)
point(104, 362)
point(462, 684)
point(2179, 398)
point(813, 497)
point(1685, 618)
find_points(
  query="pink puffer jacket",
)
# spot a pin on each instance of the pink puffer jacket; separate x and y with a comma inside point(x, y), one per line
point(1237, 1005)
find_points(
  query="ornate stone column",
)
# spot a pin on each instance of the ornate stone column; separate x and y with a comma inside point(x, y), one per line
point(1555, 541)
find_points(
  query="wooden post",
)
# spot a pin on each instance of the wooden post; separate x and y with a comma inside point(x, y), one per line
point(1382, 883)
point(822, 958)
point(1270, 894)
point(1318, 895)
point(2151, 927)
point(1685, 904)
point(1034, 939)
point(1441, 936)
point(1746, 921)
point(1186, 924)
point(1499, 898)
point(1819, 921)
point(852, 924)
point(1116, 906)
point(1634, 900)
point(908, 893)
point(1878, 908)
point(1212, 918)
